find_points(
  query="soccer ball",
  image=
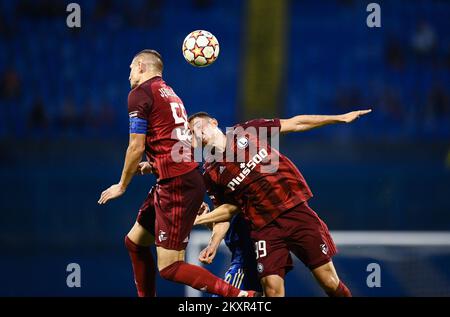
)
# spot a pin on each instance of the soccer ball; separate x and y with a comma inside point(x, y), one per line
point(200, 48)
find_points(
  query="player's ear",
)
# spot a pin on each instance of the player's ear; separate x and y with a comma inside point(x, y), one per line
point(142, 67)
point(214, 122)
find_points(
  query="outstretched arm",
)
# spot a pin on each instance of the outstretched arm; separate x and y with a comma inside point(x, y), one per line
point(222, 213)
point(308, 122)
point(134, 154)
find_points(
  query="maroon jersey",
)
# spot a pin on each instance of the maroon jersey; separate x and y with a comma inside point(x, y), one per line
point(168, 138)
point(264, 184)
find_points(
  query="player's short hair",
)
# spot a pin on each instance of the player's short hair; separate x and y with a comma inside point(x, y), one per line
point(201, 114)
point(157, 60)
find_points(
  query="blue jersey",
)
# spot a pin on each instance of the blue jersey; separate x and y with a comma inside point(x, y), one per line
point(242, 272)
point(239, 242)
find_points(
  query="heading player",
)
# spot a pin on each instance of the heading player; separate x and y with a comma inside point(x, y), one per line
point(273, 197)
point(158, 123)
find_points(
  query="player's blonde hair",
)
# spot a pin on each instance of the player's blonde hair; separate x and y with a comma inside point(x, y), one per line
point(154, 58)
point(201, 114)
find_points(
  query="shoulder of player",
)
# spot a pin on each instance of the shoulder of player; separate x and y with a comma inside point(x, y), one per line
point(242, 127)
point(155, 83)
point(246, 124)
point(138, 94)
point(235, 128)
point(259, 122)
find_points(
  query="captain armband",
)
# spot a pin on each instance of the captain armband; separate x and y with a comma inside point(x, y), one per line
point(138, 125)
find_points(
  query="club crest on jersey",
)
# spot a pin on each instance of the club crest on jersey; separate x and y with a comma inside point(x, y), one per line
point(324, 248)
point(260, 268)
point(242, 143)
point(246, 168)
point(162, 236)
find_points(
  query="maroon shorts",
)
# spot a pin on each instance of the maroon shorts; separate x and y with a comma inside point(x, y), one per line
point(170, 209)
point(300, 231)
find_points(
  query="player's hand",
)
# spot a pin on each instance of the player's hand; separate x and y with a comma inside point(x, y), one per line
point(112, 192)
point(207, 255)
point(145, 168)
point(351, 116)
point(197, 221)
point(204, 209)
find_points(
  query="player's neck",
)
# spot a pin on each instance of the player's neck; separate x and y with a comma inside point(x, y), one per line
point(148, 76)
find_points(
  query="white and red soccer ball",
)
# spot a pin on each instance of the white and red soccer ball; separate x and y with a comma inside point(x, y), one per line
point(200, 48)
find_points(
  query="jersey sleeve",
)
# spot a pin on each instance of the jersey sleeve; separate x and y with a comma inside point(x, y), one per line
point(260, 123)
point(272, 126)
point(139, 106)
